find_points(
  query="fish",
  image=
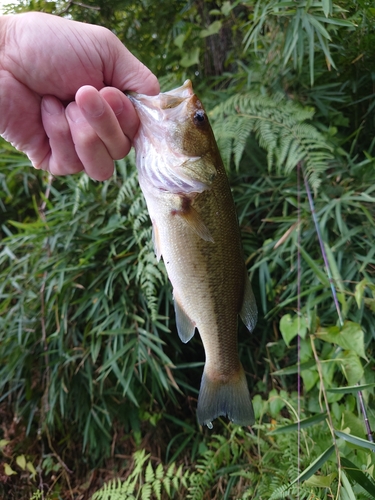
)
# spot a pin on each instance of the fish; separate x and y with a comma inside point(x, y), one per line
point(196, 232)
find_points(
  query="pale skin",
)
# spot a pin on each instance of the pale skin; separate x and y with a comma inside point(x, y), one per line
point(61, 93)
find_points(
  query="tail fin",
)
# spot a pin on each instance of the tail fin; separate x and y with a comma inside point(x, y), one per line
point(231, 399)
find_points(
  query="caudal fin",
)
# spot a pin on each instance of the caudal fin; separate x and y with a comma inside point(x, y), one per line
point(231, 399)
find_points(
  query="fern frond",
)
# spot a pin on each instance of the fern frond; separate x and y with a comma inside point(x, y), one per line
point(282, 127)
point(144, 482)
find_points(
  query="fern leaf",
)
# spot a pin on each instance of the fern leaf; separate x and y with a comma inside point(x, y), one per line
point(282, 127)
point(156, 486)
point(146, 491)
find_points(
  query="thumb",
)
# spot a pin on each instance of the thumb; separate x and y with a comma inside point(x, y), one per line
point(130, 74)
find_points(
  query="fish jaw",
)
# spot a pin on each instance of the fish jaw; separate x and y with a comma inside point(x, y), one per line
point(174, 142)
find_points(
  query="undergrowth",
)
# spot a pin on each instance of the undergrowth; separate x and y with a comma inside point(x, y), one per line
point(92, 373)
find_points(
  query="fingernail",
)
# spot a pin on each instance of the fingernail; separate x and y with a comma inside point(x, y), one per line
point(94, 106)
point(74, 113)
point(52, 106)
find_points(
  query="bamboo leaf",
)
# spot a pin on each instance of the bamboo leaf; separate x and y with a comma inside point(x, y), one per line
point(358, 476)
point(356, 441)
point(352, 388)
point(301, 424)
point(347, 488)
point(316, 465)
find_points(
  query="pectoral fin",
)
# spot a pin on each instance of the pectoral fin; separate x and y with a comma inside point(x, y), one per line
point(197, 225)
point(185, 327)
point(155, 241)
point(188, 213)
point(249, 310)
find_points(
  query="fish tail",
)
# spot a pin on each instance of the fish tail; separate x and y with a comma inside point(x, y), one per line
point(229, 398)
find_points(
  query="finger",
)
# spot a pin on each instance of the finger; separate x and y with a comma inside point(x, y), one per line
point(123, 109)
point(93, 154)
point(62, 158)
point(102, 118)
point(17, 113)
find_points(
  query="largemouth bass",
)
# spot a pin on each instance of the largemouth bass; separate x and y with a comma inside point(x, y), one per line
point(195, 230)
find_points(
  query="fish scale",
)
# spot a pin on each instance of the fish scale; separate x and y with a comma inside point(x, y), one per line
point(195, 230)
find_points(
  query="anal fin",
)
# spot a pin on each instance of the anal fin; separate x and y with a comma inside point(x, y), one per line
point(249, 310)
point(185, 326)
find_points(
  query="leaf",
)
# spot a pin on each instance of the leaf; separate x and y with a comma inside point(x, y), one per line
point(306, 422)
point(351, 366)
point(356, 441)
point(307, 473)
point(3, 443)
point(276, 402)
point(149, 474)
point(8, 470)
point(327, 7)
point(316, 465)
point(226, 8)
point(350, 337)
point(291, 327)
point(358, 476)
point(190, 58)
point(21, 461)
point(179, 40)
point(346, 488)
point(310, 378)
point(351, 388)
point(30, 467)
point(290, 370)
point(359, 291)
point(213, 29)
point(321, 481)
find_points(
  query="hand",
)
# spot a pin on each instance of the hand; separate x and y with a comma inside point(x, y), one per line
point(61, 99)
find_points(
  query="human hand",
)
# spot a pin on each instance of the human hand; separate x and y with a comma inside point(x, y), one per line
point(60, 93)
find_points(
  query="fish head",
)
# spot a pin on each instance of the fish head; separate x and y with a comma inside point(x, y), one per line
point(175, 147)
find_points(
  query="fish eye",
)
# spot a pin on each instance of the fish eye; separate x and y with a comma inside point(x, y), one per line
point(199, 117)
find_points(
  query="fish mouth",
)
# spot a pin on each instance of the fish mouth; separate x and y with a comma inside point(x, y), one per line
point(163, 101)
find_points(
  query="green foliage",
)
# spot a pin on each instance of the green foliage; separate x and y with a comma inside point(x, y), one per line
point(298, 27)
point(262, 464)
point(280, 126)
point(85, 309)
point(146, 482)
point(73, 330)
